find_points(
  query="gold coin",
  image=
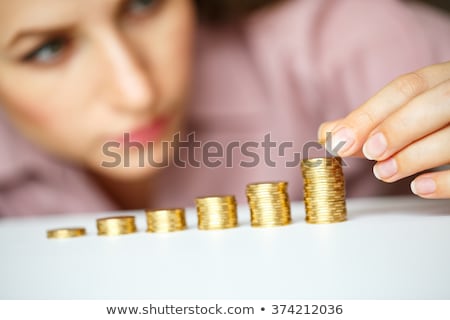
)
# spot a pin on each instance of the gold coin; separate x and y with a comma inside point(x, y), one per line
point(166, 220)
point(269, 204)
point(114, 226)
point(324, 188)
point(216, 212)
point(66, 233)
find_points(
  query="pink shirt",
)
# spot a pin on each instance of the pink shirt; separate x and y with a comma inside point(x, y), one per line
point(284, 71)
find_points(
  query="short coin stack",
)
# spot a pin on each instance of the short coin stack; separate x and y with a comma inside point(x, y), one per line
point(167, 220)
point(216, 212)
point(115, 226)
point(324, 188)
point(269, 204)
point(66, 233)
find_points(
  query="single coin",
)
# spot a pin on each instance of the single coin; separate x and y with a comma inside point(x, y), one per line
point(66, 233)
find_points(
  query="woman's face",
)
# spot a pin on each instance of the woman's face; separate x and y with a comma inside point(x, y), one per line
point(76, 74)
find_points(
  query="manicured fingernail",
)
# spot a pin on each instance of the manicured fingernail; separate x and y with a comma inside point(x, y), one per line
point(341, 141)
point(386, 169)
point(375, 147)
point(423, 186)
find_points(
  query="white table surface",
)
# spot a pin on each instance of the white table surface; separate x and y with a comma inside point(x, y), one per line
point(390, 248)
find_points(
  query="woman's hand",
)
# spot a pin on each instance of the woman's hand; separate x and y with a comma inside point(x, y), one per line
point(405, 128)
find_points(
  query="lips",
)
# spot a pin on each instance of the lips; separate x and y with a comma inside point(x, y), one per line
point(147, 133)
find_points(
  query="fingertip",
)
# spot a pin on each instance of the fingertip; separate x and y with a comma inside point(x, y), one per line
point(423, 186)
point(342, 141)
point(321, 133)
point(376, 147)
point(414, 188)
point(324, 129)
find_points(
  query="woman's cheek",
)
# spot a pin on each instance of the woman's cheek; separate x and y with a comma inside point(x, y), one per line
point(44, 120)
point(26, 113)
point(30, 103)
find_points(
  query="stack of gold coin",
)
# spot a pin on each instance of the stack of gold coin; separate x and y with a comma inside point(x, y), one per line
point(167, 220)
point(324, 188)
point(269, 204)
point(114, 226)
point(217, 212)
point(66, 233)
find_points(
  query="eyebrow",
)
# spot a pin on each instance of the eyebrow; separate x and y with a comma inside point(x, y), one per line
point(49, 31)
point(36, 32)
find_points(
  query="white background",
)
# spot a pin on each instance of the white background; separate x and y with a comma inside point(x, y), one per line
point(391, 248)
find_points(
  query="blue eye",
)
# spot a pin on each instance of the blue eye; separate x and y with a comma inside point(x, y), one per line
point(139, 6)
point(48, 52)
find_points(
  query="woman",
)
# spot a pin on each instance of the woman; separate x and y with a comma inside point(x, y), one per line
point(85, 83)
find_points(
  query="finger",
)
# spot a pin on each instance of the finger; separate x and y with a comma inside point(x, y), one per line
point(429, 152)
point(324, 137)
point(435, 185)
point(325, 129)
point(356, 127)
point(423, 115)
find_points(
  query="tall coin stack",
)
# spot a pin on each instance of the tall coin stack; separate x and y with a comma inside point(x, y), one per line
point(166, 220)
point(216, 212)
point(115, 226)
point(269, 204)
point(324, 188)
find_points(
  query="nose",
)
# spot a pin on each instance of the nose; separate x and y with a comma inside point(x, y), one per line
point(130, 87)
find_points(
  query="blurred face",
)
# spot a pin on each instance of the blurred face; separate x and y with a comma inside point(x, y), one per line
point(75, 74)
